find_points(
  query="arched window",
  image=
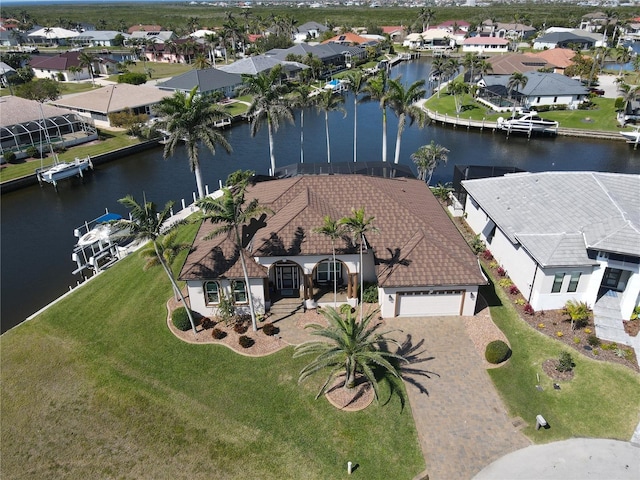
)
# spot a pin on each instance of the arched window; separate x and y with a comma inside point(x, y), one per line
point(212, 292)
point(239, 292)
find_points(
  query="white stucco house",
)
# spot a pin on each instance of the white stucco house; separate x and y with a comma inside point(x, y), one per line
point(485, 45)
point(564, 236)
point(417, 258)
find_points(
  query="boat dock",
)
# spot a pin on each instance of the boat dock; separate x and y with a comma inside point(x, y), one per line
point(62, 170)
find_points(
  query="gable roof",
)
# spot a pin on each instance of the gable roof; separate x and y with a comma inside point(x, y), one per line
point(260, 63)
point(558, 57)
point(53, 32)
point(348, 38)
point(323, 52)
point(59, 62)
point(557, 216)
point(312, 26)
point(207, 80)
point(417, 244)
point(113, 98)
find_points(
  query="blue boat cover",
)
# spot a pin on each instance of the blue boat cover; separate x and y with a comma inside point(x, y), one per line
point(108, 217)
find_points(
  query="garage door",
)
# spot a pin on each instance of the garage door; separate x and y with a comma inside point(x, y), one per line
point(442, 302)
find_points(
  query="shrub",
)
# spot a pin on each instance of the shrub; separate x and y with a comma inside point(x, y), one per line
point(487, 255)
point(505, 282)
point(245, 342)
point(587, 331)
point(370, 293)
point(207, 323)
point(270, 329)
point(241, 327)
point(345, 309)
point(132, 78)
point(541, 325)
point(514, 290)
point(501, 271)
point(528, 309)
point(493, 264)
point(593, 341)
point(634, 315)
point(620, 353)
point(477, 245)
point(32, 152)
point(576, 340)
point(180, 319)
point(519, 301)
point(497, 352)
point(559, 334)
point(9, 157)
point(218, 334)
point(578, 311)
point(565, 362)
point(619, 104)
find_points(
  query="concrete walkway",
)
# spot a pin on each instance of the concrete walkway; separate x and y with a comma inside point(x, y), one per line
point(461, 421)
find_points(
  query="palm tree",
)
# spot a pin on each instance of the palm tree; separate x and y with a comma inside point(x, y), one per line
point(403, 102)
point(425, 15)
point(333, 230)
point(230, 213)
point(302, 99)
point(577, 311)
point(622, 56)
point(458, 89)
point(376, 88)
point(191, 118)
point(268, 104)
point(147, 223)
point(327, 102)
point(201, 62)
point(86, 59)
point(75, 69)
point(359, 225)
point(469, 62)
point(427, 158)
point(168, 248)
point(356, 85)
point(353, 348)
point(438, 71)
point(516, 81)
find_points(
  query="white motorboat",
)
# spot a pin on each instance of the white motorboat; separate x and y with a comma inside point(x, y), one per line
point(100, 243)
point(61, 170)
point(528, 122)
point(632, 136)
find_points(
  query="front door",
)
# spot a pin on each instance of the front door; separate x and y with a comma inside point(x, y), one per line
point(611, 278)
point(287, 279)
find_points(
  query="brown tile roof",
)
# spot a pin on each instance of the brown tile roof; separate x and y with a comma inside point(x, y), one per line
point(516, 62)
point(558, 57)
point(416, 244)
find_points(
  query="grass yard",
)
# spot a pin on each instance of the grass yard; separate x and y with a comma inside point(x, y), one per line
point(157, 69)
point(97, 387)
point(601, 401)
point(113, 140)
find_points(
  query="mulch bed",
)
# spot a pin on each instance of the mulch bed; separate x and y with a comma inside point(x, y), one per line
point(550, 367)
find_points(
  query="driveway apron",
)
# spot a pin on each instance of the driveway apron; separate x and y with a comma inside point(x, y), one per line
point(461, 421)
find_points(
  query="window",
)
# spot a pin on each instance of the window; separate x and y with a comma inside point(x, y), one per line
point(327, 271)
point(557, 283)
point(239, 292)
point(555, 99)
point(492, 234)
point(212, 292)
point(573, 283)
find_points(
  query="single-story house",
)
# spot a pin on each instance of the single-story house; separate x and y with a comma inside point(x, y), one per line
point(58, 67)
point(413, 41)
point(437, 38)
point(550, 89)
point(99, 38)
point(51, 35)
point(350, 38)
point(144, 28)
point(23, 123)
point(6, 72)
point(419, 261)
point(510, 63)
point(262, 63)
point(569, 38)
point(556, 58)
point(563, 236)
point(309, 31)
point(98, 104)
point(395, 32)
point(208, 81)
point(324, 52)
point(485, 45)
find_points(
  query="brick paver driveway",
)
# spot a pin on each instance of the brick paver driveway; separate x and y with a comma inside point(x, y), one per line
point(461, 421)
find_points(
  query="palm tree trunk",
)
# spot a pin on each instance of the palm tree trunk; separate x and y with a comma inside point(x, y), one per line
point(384, 134)
point(175, 286)
point(198, 174)
point(302, 135)
point(355, 128)
point(335, 277)
point(361, 278)
point(271, 154)
point(350, 381)
point(326, 127)
point(254, 323)
point(401, 122)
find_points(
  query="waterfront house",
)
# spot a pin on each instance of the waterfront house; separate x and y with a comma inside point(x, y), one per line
point(542, 90)
point(52, 35)
point(98, 104)
point(309, 31)
point(59, 67)
point(262, 63)
point(209, 80)
point(419, 261)
point(557, 37)
point(563, 236)
point(556, 58)
point(510, 63)
point(513, 31)
point(100, 38)
point(27, 123)
point(485, 45)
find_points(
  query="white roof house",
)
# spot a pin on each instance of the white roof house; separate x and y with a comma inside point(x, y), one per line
point(564, 236)
point(53, 33)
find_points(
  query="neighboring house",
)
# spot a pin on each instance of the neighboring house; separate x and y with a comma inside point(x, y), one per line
point(596, 22)
point(510, 63)
point(563, 236)
point(99, 38)
point(6, 72)
point(513, 31)
point(57, 67)
point(396, 33)
point(413, 41)
point(98, 104)
point(22, 126)
point(182, 50)
point(437, 38)
point(208, 81)
point(144, 28)
point(485, 45)
point(52, 35)
point(419, 261)
point(455, 26)
point(308, 32)
point(326, 54)
point(262, 63)
point(350, 38)
point(569, 38)
point(548, 89)
point(556, 58)
point(152, 37)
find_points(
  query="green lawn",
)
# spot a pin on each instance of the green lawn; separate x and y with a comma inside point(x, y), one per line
point(602, 400)
point(97, 387)
point(112, 141)
point(158, 69)
point(602, 117)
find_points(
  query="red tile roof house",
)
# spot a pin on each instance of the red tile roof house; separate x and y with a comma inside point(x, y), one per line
point(419, 260)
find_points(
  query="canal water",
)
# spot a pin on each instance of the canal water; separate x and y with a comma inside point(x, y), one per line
point(37, 222)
